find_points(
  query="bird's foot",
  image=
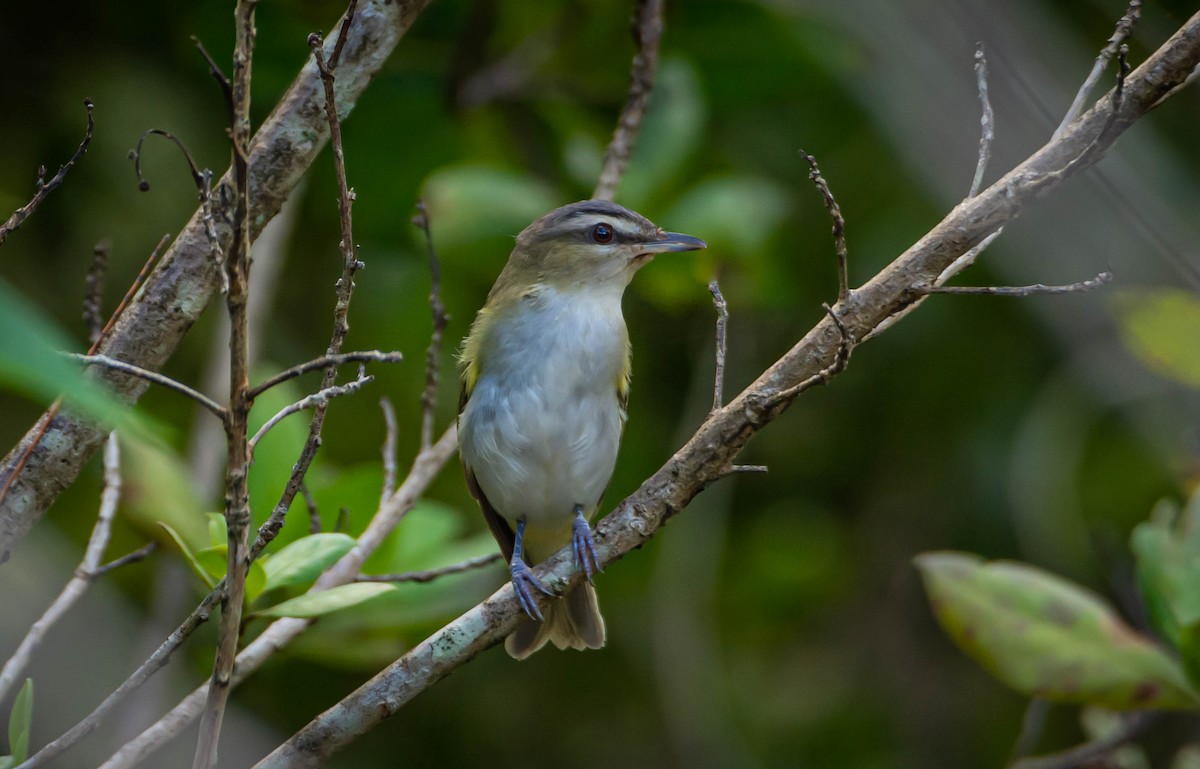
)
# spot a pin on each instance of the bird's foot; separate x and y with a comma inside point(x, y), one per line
point(584, 546)
point(524, 583)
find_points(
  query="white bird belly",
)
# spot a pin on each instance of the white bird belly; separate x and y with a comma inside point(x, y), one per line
point(543, 423)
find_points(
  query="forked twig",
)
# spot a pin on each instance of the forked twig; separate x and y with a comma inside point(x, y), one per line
point(44, 188)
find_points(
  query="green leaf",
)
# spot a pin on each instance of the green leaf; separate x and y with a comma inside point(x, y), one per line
point(1160, 327)
point(1047, 637)
point(334, 599)
point(31, 363)
point(217, 534)
point(1167, 552)
point(215, 561)
point(20, 722)
point(190, 557)
point(302, 561)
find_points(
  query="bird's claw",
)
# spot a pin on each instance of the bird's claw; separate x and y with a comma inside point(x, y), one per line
point(524, 583)
point(584, 546)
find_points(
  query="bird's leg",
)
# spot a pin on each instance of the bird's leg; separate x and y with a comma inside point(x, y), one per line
point(586, 556)
point(522, 577)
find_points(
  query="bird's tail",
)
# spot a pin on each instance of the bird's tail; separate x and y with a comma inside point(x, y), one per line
point(573, 622)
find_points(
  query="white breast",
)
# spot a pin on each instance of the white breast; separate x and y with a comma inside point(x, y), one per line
point(542, 426)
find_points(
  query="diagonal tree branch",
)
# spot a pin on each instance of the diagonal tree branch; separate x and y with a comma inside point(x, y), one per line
point(155, 322)
point(712, 449)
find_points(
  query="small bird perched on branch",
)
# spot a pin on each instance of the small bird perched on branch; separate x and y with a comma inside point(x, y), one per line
point(545, 380)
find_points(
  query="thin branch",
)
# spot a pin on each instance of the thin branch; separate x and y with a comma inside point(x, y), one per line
point(93, 291)
point(722, 321)
point(1124, 29)
point(344, 292)
point(431, 574)
point(239, 451)
point(1020, 291)
point(434, 354)
point(131, 292)
point(324, 362)
point(218, 74)
point(140, 554)
point(314, 514)
point(152, 376)
point(388, 450)
point(987, 122)
point(1132, 727)
point(647, 26)
point(839, 224)
point(347, 20)
point(85, 573)
point(318, 398)
point(44, 188)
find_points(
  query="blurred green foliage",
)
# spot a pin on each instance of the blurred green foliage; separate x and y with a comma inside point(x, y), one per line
point(778, 621)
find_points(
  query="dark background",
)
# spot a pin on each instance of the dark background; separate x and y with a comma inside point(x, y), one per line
point(779, 621)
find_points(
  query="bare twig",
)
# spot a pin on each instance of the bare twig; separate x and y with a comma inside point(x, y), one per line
point(202, 178)
point(87, 571)
point(1035, 289)
point(318, 398)
point(215, 70)
point(647, 28)
point(1124, 29)
point(324, 362)
point(388, 450)
point(431, 574)
point(314, 514)
point(93, 291)
point(140, 554)
point(199, 178)
point(722, 321)
point(237, 496)
point(44, 188)
point(434, 353)
point(152, 376)
point(347, 20)
point(344, 292)
point(987, 122)
point(839, 224)
point(1122, 73)
point(1132, 726)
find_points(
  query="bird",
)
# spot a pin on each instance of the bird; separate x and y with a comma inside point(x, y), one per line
point(545, 377)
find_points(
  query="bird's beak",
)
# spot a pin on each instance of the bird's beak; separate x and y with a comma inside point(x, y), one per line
point(672, 241)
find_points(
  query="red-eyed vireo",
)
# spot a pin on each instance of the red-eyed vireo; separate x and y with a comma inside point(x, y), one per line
point(545, 380)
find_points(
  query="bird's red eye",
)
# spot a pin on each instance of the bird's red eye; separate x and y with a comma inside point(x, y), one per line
point(602, 233)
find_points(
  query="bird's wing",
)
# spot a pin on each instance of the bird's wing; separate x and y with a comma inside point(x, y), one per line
point(499, 527)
